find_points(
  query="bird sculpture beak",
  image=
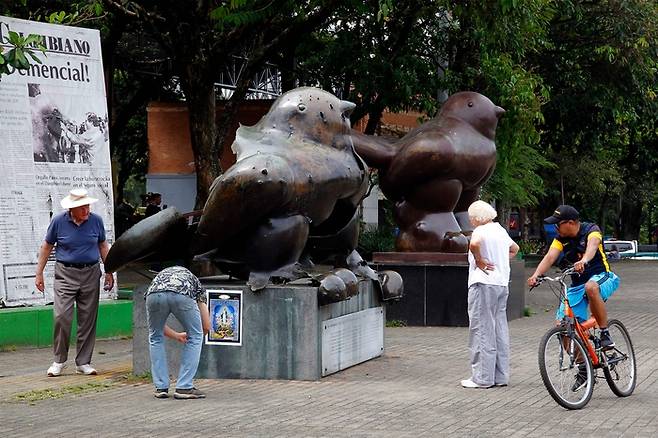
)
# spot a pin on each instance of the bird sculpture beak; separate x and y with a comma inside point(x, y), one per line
point(499, 112)
point(346, 107)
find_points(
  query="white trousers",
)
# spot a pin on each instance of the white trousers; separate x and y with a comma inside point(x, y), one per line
point(488, 339)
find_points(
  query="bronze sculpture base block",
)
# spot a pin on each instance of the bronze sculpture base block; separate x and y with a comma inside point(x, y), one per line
point(436, 288)
point(420, 257)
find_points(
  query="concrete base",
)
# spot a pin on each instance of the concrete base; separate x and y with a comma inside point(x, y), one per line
point(436, 292)
point(284, 333)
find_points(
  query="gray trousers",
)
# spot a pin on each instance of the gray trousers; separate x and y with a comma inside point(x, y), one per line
point(488, 339)
point(82, 288)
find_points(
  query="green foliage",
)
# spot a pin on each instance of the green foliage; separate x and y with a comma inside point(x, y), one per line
point(516, 180)
point(239, 13)
point(492, 42)
point(396, 323)
point(577, 79)
point(385, 9)
point(600, 121)
point(378, 240)
point(22, 47)
point(530, 246)
point(378, 54)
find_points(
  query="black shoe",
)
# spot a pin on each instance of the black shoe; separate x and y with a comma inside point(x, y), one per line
point(161, 393)
point(581, 379)
point(606, 341)
point(191, 393)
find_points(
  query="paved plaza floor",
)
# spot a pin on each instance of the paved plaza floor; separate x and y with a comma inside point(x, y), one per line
point(411, 391)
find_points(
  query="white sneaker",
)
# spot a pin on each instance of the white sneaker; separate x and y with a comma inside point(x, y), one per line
point(468, 383)
point(55, 369)
point(87, 370)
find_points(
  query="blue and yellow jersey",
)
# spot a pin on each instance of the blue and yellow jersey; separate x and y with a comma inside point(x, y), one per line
point(573, 249)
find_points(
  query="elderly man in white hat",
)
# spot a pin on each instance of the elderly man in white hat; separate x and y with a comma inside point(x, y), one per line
point(79, 240)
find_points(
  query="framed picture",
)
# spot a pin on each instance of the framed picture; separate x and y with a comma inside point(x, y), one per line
point(225, 308)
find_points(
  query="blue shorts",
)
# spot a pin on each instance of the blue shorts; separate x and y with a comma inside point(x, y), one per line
point(608, 284)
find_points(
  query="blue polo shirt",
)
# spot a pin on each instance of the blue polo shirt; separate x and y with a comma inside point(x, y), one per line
point(76, 243)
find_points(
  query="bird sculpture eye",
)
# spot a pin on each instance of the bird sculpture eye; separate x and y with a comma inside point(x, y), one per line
point(301, 107)
point(470, 104)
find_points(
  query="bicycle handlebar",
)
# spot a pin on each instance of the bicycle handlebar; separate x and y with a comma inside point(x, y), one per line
point(558, 278)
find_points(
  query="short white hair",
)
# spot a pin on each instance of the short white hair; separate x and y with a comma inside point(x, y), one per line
point(481, 212)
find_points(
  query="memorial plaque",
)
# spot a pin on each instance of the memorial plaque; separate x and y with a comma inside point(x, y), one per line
point(352, 339)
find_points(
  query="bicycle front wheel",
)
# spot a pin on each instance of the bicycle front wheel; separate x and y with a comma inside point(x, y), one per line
point(621, 372)
point(566, 369)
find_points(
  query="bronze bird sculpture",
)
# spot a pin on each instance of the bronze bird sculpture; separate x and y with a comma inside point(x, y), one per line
point(291, 197)
point(436, 171)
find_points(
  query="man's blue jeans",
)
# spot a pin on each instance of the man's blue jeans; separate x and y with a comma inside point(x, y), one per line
point(158, 307)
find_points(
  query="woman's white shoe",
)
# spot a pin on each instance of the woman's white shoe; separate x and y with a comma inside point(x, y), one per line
point(468, 383)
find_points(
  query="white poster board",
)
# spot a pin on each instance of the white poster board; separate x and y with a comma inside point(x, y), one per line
point(53, 137)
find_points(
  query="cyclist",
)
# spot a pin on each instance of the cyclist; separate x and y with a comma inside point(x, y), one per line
point(582, 245)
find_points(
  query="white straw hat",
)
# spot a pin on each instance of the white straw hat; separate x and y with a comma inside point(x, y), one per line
point(77, 198)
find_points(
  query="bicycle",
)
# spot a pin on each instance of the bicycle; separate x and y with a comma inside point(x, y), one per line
point(573, 347)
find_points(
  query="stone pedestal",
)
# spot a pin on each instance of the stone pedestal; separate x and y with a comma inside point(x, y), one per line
point(285, 334)
point(436, 288)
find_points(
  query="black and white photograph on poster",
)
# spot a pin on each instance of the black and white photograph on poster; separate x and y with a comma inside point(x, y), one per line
point(225, 308)
point(67, 128)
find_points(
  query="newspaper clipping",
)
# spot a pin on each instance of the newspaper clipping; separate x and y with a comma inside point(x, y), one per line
point(54, 131)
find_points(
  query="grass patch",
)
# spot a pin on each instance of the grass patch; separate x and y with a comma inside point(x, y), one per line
point(132, 379)
point(55, 393)
point(6, 348)
point(396, 323)
point(527, 311)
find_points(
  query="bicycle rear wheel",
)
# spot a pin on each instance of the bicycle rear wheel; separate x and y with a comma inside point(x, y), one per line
point(559, 357)
point(621, 372)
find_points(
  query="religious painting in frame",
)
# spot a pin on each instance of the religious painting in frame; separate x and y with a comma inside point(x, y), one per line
point(225, 309)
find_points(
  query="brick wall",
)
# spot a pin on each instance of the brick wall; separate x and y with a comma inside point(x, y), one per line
point(170, 150)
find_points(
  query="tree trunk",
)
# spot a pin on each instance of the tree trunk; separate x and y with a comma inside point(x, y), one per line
point(200, 95)
point(374, 116)
point(602, 209)
point(125, 169)
point(630, 216)
point(503, 215)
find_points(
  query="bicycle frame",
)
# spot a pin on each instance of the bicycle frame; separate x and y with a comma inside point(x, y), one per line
point(581, 329)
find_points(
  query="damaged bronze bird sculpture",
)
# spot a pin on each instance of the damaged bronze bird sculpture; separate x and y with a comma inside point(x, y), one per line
point(291, 197)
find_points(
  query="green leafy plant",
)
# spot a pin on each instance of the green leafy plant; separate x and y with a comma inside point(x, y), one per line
point(16, 58)
point(379, 240)
point(530, 246)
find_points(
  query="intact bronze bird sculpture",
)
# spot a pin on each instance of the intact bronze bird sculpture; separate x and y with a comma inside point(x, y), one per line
point(436, 171)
